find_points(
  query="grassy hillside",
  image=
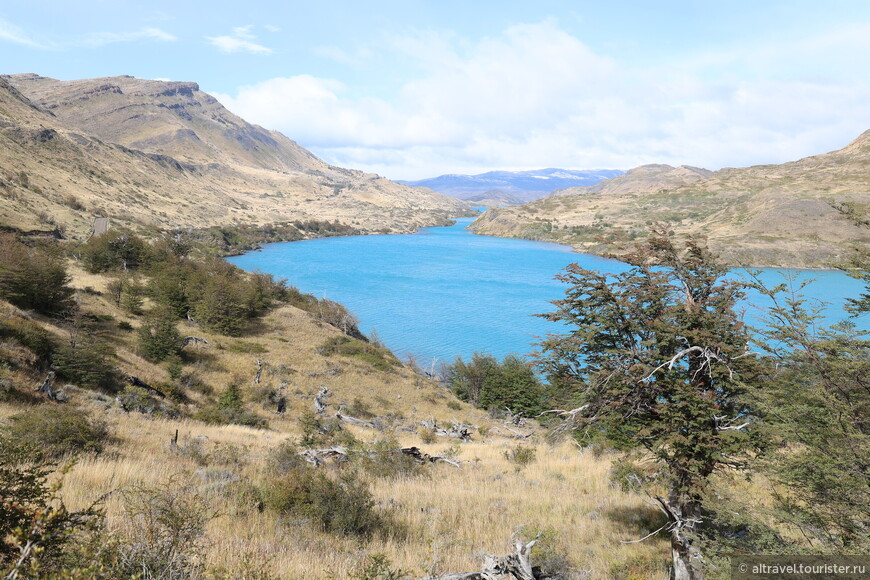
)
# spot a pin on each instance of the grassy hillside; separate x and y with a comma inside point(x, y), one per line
point(806, 213)
point(152, 154)
point(440, 518)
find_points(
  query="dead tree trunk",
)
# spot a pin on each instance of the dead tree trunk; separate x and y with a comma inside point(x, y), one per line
point(137, 382)
point(684, 517)
point(319, 400)
point(193, 340)
point(354, 421)
point(259, 372)
point(514, 566)
point(459, 431)
point(45, 387)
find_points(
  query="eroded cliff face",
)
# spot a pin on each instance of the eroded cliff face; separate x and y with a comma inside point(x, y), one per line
point(165, 154)
point(808, 213)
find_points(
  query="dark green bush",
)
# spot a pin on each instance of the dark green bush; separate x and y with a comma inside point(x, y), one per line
point(520, 456)
point(158, 336)
point(489, 384)
point(380, 358)
point(34, 277)
point(230, 409)
point(59, 430)
point(343, 507)
point(385, 459)
point(88, 365)
point(29, 335)
point(115, 250)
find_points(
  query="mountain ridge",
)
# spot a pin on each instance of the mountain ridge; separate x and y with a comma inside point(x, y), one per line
point(804, 213)
point(163, 154)
point(512, 186)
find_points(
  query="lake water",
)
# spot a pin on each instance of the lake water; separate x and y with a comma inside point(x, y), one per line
point(445, 292)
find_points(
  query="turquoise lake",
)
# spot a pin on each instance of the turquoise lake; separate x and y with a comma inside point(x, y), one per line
point(445, 292)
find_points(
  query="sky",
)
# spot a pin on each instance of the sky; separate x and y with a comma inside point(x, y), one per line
point(411, 89)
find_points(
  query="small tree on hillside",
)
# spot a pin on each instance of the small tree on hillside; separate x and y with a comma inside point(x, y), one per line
point(34, 277)
point(658, 356)
point(817, 408)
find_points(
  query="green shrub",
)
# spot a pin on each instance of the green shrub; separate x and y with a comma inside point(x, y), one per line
point(159, 337)
point(115, 250)
point(520, 456)
point(166, 539)
point(285, 457)
point(87, 365)
point(143, 401)
point(380, 358)
point(489, 384)
point(69, 545)
point(29, 335)
point(320, 431)
point(59, 430)
point(230, 409)
point(23, 488)
point(344, 507)
point(384, 459)
point(378, 567)
point(34, 277)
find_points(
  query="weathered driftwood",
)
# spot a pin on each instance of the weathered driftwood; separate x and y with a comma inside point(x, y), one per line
point(46, 387)
point(512, 433)
point(329, 372)
point(514, 566)
point(193, 340)
point(318, 457)
point(459, 431)
point(338, 454)
point(320, 400)
point(421, 457)
point(354, 420)
point(515, 419)
point(259, 372)
point(137, 382)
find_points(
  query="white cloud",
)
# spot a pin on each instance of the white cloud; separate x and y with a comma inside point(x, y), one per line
point(11, 33)
point(104, 38)
point(537, 96)
point(241, 40)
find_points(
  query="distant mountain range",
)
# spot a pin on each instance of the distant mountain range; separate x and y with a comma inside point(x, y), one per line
point(162, 154)
point(814, 212)
point(512, 187)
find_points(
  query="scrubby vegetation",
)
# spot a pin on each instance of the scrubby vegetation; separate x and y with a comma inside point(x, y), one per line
point(184, 390)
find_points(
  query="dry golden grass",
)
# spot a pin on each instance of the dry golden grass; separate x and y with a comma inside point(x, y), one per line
point(453, 516)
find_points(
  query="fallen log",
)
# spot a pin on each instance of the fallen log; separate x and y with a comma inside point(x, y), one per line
point(192, 340)
point(514, 566)
point(354, 421)
point(336, 453)
point(459, 431)
point(318, 457)
point(137, 382)
point(421, 457)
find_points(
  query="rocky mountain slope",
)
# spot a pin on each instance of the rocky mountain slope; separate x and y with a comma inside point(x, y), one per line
point(806, 213)
point(165, 154)
point(512, 187)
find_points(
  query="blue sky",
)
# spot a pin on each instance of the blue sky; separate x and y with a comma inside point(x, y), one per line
point(412, 88)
